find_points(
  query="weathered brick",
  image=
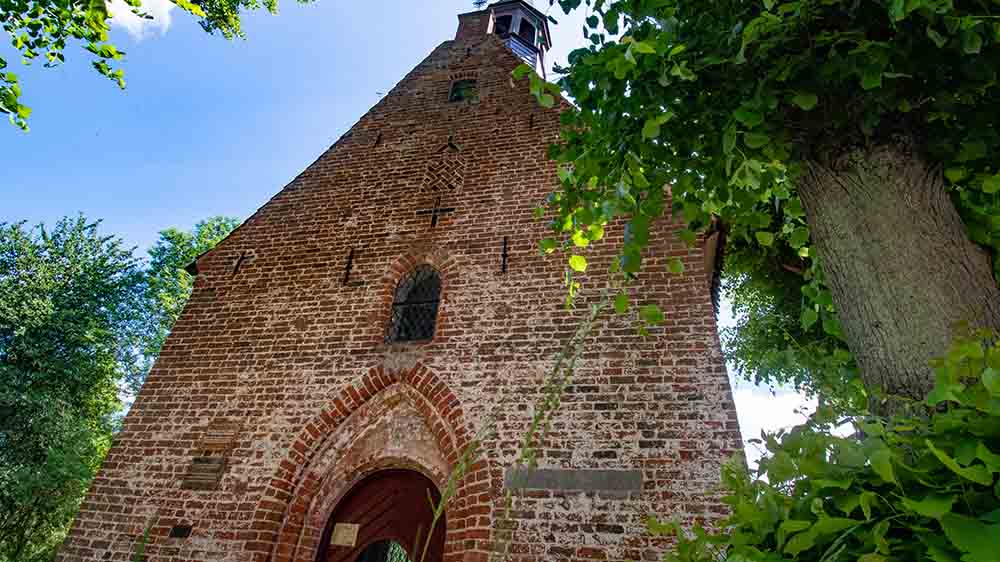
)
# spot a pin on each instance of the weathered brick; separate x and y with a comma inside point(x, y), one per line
point(295, 358)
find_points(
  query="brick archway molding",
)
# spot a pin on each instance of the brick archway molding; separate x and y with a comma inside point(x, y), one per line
point(318, 470)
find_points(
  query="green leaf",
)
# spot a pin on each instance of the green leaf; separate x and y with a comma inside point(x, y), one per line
point(831, 525)
point(97, 14)
point(621, 303)
point(765, 238)
point(521, 71)
point(688, 236)
point(937, 38)
point(756, 140)
point(881, 460)
point(675, 266)
point(956, 174)
point(651, 129)
point(809, 318)
point(651, 314)
point(972, 42)
point(682, 71)
point(980, 542)
point(933, 505)
point(793, 208)
point(871, 78)
point(791, 526)
point(806, 101)
point(991, 459)
point(976, 473)
point(992, 184)
point(548, 245)
point(897, 9)
point(643, 47)
point(637, 231)
point(944, 392)
point(748, 117)
point(190, 7)
point(630, 260)
point(799, 543)
point(799, 237)
point(546, 100)
point(831, 326)
point(868, 501)
point(729, 139)
point(578, 263)
point(971, 150)
point(991, 380)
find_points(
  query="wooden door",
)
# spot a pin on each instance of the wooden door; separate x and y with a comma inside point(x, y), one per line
point(391, 505)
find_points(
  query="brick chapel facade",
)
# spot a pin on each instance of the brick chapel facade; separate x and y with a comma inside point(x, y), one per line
point(293, 417)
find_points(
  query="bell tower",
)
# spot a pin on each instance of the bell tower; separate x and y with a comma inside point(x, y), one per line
point(523, 28)
point(395, 313)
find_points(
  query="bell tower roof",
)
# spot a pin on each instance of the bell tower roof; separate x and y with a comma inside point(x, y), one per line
point(521, 26)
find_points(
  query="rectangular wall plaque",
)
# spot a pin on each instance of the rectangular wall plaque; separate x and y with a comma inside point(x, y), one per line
point(345, 534)
point(615, 482)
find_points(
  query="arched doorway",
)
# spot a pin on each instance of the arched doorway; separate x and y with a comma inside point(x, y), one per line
point(383, 514)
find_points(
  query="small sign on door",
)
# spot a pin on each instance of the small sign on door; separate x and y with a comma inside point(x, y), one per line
point(345, 534)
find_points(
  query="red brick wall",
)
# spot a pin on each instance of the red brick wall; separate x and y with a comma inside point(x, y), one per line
point(294, 360)
point(472, 26)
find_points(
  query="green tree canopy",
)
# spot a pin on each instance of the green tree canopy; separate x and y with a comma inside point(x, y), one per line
point(168, 285)
point(81, 320)
point(71, 310)
point(42, 29)
point(852, 143)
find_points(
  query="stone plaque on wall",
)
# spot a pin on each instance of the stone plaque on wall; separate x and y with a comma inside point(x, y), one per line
point(345, 534)
point(607, 482)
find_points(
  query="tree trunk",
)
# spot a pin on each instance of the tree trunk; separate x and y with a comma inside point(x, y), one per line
point(896, 256)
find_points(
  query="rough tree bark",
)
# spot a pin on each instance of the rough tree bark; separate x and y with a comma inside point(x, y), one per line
point(903, 272)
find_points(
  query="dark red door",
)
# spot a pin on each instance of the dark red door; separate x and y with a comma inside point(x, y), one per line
point(391, 505)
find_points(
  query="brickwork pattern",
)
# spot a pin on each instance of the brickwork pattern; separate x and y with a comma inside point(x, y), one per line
point(292, 361)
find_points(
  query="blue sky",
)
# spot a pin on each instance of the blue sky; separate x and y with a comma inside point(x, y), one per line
point(214, 127)
point(206, 126)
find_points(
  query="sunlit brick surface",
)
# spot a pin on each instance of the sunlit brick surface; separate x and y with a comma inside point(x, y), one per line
point(290, 363)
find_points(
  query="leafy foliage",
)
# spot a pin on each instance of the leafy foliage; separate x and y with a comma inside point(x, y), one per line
point(729, 102)
point(911, 488)
point(71, 307)
point(771, 345)
point(79, 317)
point(43, 29)
point(168, 285)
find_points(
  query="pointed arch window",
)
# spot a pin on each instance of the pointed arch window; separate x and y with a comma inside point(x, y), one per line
point(415, 306)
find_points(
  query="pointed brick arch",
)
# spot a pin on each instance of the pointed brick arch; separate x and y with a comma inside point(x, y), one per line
point(288, 521)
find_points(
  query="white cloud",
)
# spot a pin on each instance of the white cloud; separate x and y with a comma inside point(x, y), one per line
point(140, 28)
point(759, 409)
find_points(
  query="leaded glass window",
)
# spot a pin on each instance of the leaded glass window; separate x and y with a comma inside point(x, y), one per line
point(384, 551)
point(415, 306)
point(463, 90)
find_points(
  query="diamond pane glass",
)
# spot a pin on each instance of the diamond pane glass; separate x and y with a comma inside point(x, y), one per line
point(415, 306)
point(383, 551)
